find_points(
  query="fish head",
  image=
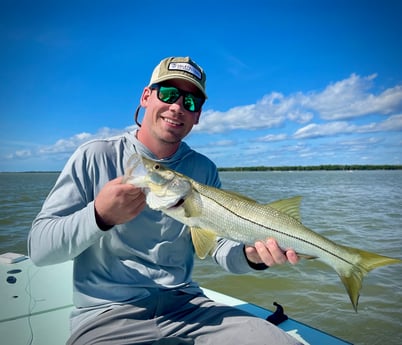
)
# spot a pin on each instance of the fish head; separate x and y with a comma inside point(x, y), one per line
point(164, 188)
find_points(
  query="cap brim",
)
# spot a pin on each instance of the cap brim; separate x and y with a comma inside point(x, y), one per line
point(181, 77)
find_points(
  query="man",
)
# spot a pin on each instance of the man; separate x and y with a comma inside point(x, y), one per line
point(133, 265)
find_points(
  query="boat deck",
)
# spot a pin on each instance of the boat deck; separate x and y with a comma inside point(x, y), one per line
point(36, 303)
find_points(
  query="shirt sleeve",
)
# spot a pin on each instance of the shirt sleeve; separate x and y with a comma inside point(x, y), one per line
point(230, 256)
point(66, 225)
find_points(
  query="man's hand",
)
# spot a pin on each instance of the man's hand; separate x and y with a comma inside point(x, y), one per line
point(270, 253)
point(117, 203)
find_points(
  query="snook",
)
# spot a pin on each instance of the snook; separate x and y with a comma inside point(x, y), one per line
point(210, 212)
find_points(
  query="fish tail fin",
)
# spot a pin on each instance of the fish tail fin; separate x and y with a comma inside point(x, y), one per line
point(352, 277)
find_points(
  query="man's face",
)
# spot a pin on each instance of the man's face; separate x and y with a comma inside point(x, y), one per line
point(169, 123)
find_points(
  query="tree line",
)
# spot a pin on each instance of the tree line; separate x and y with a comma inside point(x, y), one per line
point(326, 167)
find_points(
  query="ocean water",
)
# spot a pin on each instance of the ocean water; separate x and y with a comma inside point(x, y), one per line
point(359, 208)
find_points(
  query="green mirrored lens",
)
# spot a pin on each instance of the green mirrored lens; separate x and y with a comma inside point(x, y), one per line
point(170, 94)
point(190, 103)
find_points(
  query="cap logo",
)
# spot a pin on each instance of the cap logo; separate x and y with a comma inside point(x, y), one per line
point(186, 67)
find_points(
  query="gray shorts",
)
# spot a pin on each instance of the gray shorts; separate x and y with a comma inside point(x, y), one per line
point(177, 318)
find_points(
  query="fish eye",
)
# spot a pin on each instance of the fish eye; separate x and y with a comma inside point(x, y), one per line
point(157, 166)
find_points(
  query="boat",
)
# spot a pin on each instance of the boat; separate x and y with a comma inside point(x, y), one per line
point(36, 303)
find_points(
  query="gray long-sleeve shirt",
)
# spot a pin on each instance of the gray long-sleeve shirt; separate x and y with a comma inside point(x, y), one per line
point(123, 263)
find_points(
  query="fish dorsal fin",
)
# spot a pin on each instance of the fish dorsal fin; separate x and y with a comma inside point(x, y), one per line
point(203, 240)
point(238, 195)
point(289, 206)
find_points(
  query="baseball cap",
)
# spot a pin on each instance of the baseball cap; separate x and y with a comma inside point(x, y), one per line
point(180, 68)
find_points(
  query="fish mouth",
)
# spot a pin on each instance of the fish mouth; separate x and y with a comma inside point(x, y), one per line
point(172, 122)
point(167, 196)
point(178, 203)
point(136, 172)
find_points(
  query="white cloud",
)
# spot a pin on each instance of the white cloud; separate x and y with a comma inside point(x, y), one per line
point(65, 146)
point(350, 98)
point(313, 130)
point(360, 142)
point(23, 154)
point(272, 137)
point(271, 111)
point(222, 143)
point(393, 123)
point(345, 99)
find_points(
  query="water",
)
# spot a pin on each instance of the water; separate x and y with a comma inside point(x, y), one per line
point(360, 208)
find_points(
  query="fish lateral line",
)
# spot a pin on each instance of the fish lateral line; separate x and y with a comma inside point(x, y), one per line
point(302, 255)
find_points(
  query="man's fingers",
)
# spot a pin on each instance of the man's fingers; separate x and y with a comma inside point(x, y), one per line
point(292, 256)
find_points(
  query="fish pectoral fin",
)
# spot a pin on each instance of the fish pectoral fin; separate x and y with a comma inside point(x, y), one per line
point(203, 240)
point(289, 206)
point(190, 209)
point(192, 204)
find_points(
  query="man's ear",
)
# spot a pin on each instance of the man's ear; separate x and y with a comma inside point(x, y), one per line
point(146, 93)
point(197, 118)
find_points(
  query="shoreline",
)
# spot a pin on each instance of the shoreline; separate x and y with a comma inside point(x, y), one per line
point(326, 167)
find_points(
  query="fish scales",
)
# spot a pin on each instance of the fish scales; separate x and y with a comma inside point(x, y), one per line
point(227, 215)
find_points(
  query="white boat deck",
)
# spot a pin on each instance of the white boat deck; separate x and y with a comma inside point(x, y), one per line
point(36, 303)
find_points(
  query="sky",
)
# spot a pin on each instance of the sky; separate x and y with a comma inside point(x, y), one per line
point(296, 82)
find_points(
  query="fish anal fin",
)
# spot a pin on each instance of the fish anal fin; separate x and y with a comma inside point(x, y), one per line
point(306, 256)
point(289, 206)
point(203, 240)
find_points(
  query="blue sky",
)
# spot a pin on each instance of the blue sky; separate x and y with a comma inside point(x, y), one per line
point(289, 82)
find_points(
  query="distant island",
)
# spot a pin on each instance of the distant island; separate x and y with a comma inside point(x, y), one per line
point(315, 167)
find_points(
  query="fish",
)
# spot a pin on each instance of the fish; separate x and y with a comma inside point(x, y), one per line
point(211, 213)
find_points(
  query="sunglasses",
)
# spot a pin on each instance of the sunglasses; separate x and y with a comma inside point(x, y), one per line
point(170, 94)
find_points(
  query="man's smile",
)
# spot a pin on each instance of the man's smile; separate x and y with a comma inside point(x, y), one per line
point(172, 122)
